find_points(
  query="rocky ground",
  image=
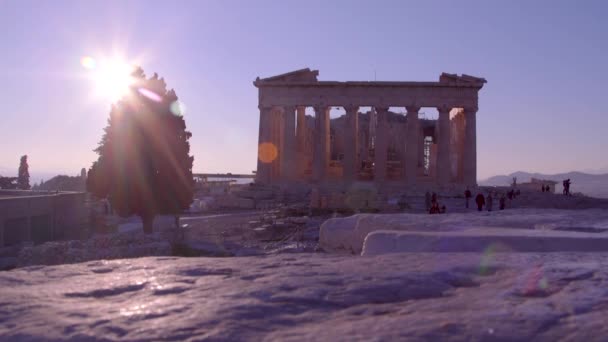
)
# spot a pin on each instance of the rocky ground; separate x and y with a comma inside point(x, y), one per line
point(218, 235)
point(414, 297)
point(285, 275)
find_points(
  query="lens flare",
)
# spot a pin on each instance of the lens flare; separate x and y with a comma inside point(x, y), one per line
point(88, 62)
point(489, 255)
point(267, 152)
point(111, 77)
point(535, 281)
point(150, 94)
point(178, 108)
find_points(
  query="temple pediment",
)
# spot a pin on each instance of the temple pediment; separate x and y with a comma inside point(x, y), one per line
point(462, 79)
point(302, 75)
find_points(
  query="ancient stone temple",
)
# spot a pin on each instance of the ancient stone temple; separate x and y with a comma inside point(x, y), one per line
point(379, 138)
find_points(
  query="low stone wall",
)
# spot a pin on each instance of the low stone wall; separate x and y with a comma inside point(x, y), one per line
point(40, 216)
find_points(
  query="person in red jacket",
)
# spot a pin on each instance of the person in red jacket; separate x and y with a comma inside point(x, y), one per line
point(480, 200)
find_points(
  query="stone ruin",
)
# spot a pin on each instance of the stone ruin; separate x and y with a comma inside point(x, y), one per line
point(382, 147)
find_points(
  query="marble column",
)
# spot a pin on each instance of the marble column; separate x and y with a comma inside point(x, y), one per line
point(469, 158)
point(411, 148)
point(444, 174)
point(263, 169)
point(301, 141)
point(381, 144)
point(351, 143)
point(288, 151)
point(320, 162)
point(275, 139)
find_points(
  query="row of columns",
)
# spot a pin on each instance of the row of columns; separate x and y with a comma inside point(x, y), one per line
point(286, 145)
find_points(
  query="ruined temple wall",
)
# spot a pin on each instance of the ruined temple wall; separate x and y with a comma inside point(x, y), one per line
point(337, 127)
point(433, 161)
point(307, 147)
point(421, 149)
point(396, 139)
point(364, 137)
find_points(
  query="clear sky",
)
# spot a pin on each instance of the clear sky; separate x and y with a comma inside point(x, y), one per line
point(543, 109)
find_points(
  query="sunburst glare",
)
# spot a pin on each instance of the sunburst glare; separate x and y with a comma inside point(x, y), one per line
point(111, 77)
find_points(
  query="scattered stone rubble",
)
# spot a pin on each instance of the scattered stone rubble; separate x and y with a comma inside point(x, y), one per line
point(279, 230)
point(103, 246)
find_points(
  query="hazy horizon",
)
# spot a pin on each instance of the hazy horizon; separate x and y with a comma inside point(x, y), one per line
point(541, 110)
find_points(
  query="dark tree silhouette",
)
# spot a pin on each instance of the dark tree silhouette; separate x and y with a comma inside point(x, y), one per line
point(8, 183)
point(144, 167)
point(23, 178)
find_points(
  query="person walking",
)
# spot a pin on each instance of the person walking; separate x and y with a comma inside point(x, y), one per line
point(502, 201)
point(467, 196)
point(480, 200)
point(489, 201)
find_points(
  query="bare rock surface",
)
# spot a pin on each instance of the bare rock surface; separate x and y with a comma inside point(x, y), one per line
point(295, 297)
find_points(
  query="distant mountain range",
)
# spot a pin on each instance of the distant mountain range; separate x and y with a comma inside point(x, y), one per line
point(594, 185)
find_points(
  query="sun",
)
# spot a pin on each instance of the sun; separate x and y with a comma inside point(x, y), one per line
point(111, 77)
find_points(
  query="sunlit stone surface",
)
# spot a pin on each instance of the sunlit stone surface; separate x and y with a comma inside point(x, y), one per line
point(442, 297)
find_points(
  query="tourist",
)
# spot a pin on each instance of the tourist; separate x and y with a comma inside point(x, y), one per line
point(427, 201)
point(489, 201)
point(443, 209)
point(566, 184)
point(434, 198)
point(467, 196)
point(434, 208)
point(543, 188)
point(480, 200)
point(502, 202)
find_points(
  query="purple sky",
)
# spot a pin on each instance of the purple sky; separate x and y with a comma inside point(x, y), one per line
point(543, 108)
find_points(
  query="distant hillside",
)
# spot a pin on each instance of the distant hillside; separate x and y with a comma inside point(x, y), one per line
point(63, 183)
point(588, 184)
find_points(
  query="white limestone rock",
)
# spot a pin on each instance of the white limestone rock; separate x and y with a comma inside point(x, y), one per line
point(348, 234)
point(483, 240)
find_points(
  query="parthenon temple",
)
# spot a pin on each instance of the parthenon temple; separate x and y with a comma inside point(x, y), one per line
point(381, 137)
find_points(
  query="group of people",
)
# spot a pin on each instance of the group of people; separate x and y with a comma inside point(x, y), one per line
point(566, 191)
point(488, 201)
point(432, 205)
